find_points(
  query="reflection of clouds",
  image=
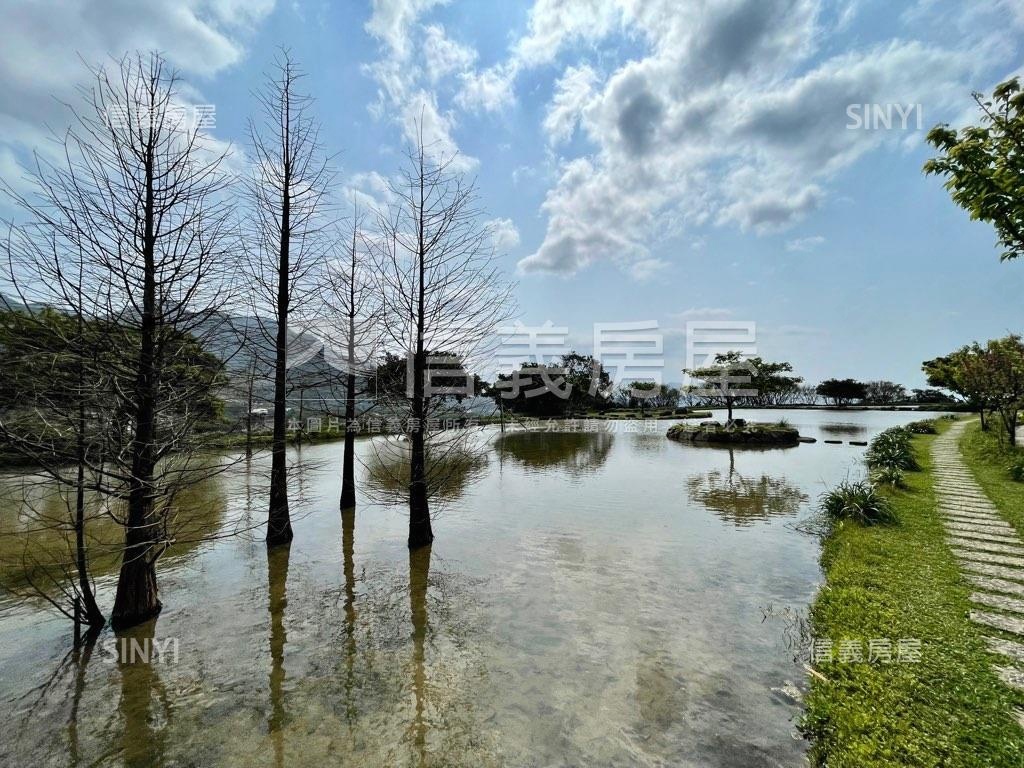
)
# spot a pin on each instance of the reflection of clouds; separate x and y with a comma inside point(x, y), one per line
point(744, 501)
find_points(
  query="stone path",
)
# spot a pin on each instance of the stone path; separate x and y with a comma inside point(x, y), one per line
point(991, 555)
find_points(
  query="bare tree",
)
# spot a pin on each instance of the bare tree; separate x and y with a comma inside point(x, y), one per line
point(286, 243)
point(138, 194)
point(353, 303)
point(444, 294)
point(50, 360)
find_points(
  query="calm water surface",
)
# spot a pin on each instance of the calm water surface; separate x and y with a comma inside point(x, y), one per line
point(590, 600)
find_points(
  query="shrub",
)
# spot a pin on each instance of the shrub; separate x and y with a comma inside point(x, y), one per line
point(891, 449)
point(925, 427)
point(891, 476)
point(1017, 470)
point(857, 500)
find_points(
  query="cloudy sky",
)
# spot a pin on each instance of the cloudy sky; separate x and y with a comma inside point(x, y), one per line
point(667, 160)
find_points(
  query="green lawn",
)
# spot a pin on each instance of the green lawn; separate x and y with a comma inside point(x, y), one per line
point(893, 582)
point(990, 461)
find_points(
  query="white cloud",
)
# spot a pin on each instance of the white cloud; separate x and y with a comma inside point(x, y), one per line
point(805, 244)
point(646, 269)
point(574, 90)
point(504, 234)
point(729, 118)
point(39, 67)
point(414, 58)
point(392, 20)
point(490, 90)
point(444, 56)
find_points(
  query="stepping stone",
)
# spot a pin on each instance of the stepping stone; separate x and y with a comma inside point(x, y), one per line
point(988, 557)
point(970, 517)
point(1000, 530)
point(999, 571)
point(995, 585)
point(1008, 604)
point(987, 546)
point(1012, 676)
point(1009, 624)
point(1012, 540)
point(1006, 648)
point(947, 507)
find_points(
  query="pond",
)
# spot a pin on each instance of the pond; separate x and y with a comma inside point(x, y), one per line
point(591, 599)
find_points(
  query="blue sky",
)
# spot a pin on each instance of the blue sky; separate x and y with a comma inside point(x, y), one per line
point(663, 160)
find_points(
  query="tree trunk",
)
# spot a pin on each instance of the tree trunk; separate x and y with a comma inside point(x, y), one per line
point(348, 480)
point(279, 524)
point(248, 416)
point(136, 600)
point(420, 532)
point(93, 616)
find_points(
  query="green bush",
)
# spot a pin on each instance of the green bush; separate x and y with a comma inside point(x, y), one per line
point(1017, 470)
point(892, 476)
point(857, 500)
point(924, 427)
point(891, 449)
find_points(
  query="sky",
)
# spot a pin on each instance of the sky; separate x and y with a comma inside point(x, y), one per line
point(639, 160)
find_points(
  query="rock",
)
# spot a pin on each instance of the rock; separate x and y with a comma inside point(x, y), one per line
point(834, 442)
point(751, 434)
point(808, 439)
point(715, 424)
point(858, 442)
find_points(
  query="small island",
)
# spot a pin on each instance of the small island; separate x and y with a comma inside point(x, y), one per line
point(736, 432)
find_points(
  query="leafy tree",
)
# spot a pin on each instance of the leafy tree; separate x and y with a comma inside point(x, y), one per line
point(1002, 364)
point(984, 164)
point(842, 392)
point(885, 392)
point(962, 373)
point(726, 381)
point(574, 384)
point(773, 385)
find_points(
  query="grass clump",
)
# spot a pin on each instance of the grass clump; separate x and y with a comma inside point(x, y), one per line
point(857, 500)
point(892, 449)
point(923, 427)
point(889, 476)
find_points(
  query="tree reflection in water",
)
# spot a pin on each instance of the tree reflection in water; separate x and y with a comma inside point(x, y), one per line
point(144, 705)
point(277, 578)
point(453, 464)
point(573, 452)
point(419, 581)
point(744, 501)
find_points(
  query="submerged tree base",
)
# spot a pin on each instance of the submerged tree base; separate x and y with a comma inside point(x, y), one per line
point(737, 433)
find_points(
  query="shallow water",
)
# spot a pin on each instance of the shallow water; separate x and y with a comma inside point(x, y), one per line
point(590, 599)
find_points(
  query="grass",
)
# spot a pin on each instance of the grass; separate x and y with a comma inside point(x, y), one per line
point(992, 465)
point(892, 450)
point(859, 501)
point(900, 581)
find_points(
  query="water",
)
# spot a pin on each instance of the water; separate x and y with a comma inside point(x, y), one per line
point(590, 599)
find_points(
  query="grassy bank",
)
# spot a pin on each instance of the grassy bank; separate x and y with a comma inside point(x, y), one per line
point(894, 582)
point(990, 462)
